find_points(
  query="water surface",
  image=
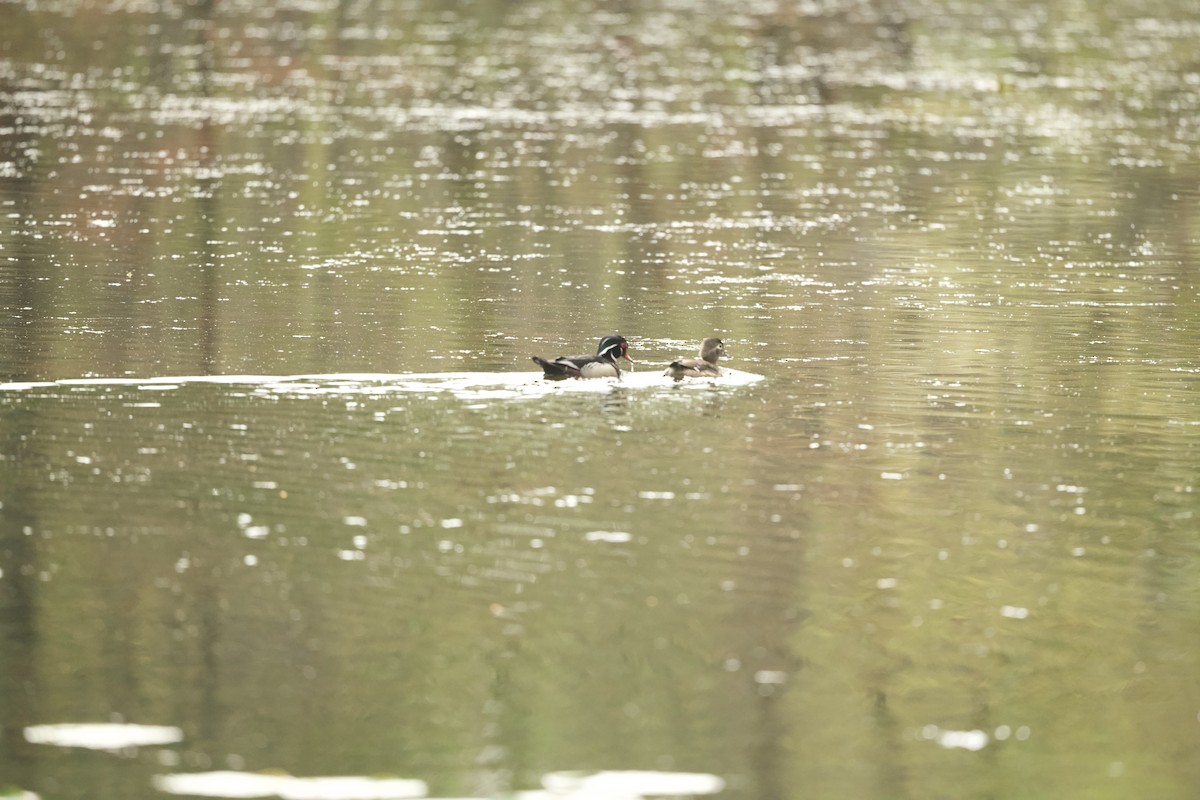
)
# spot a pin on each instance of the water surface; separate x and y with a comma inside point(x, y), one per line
point(275, 473)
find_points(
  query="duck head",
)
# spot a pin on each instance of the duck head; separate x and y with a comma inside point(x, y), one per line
point(613, 347)
point(712, 349)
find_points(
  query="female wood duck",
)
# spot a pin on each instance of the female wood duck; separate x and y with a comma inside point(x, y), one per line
point(601, 365)
point(703, 367)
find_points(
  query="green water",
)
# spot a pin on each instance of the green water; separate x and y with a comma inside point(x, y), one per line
point(946, 547)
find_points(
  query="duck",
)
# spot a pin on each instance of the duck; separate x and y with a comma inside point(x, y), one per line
point(601, 365)
point(704, 366)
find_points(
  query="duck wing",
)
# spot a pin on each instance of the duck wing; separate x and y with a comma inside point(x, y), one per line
point(577, 367)
point(692, 368)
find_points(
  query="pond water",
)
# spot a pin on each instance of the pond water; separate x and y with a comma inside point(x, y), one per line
point(282, 500)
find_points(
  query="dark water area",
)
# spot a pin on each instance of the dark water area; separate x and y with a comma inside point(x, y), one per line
point(282, 498)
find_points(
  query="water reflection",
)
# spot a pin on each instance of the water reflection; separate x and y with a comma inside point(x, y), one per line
point(838, 542)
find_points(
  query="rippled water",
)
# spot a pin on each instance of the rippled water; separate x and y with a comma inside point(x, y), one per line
point(281, 500)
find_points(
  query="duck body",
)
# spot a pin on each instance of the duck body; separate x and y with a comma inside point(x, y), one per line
point(601, 365)
point(703, 366)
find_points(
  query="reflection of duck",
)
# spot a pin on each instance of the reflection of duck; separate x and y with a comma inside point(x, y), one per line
point(601, 365)
point(705, 366)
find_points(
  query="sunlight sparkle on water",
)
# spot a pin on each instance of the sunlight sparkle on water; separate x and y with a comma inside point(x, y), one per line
point(630, 784)
point(251, 784)
point(102, 736)
point(608, 536)
point(965, 740)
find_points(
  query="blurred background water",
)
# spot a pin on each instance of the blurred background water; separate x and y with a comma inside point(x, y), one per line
point(947, 547)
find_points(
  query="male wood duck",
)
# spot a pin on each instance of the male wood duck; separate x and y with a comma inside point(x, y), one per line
point(705, 366)
point(601, 365)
